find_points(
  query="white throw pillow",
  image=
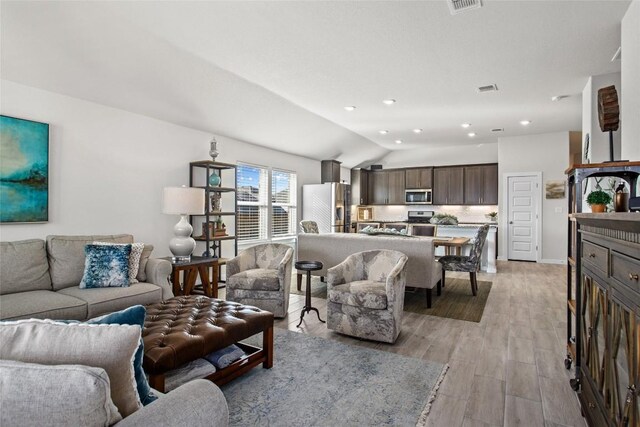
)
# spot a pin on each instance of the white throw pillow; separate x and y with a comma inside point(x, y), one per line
point(107, 346)
point(59, 395)
point(134, 258)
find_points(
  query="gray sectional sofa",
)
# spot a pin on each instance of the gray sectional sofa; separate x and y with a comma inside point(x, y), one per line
point(39, 279)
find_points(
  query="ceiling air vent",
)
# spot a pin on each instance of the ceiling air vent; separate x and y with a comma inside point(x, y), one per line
point(488, 88)
point(497, 130)
point(457, 6)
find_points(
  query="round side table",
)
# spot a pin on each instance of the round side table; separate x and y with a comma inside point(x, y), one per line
point(308, 266)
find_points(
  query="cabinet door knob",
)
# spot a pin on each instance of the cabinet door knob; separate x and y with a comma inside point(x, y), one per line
point(592, 255)
point(592, 405)
point(633, 276)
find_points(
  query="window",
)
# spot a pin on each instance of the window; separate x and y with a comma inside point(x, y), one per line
point(283, 203)
point(253, 202)
point(256, 198)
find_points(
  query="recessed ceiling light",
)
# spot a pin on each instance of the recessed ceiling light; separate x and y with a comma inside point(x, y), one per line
point(383, 132)
point(350, 107)
point(389, 101)
point(398, 141)
point(465, 125)
point(471, 134)
point(417, 131)
point(525, 122)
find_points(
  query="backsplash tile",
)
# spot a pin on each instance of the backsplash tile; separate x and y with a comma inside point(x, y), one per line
point(464, 213)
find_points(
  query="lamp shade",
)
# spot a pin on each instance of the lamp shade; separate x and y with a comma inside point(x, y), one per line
point(183, 201)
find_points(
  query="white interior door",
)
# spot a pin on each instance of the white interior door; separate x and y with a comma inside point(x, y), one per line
point(522, 228)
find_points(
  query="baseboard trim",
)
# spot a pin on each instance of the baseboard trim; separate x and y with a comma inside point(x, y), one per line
point(501, 258)
point(553, 261)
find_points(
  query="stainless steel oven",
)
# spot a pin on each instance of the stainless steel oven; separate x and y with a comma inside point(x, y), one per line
point(418, 197)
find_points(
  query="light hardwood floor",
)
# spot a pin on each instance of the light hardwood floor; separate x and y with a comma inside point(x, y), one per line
point(506, 370)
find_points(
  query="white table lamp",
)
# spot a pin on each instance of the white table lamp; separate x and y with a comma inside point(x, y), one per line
point(182, 201)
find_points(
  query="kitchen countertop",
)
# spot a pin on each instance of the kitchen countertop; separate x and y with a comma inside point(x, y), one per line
point(460, 224)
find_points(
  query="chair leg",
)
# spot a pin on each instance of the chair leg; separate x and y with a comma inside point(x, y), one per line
point(443, 270)
point(474, 283)
point(299, 282)
point(322, 279)
point(439, 288)
point(428, 298)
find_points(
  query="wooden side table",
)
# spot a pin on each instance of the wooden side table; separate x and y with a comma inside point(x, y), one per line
point(190, 271)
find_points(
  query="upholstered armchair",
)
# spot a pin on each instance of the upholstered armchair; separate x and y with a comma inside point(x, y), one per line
point(365, 295)
point(261, 276)
point(309, 227)
point(471, 263)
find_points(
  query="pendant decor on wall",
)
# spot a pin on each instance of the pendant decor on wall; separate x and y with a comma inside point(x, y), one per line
point(24, 170)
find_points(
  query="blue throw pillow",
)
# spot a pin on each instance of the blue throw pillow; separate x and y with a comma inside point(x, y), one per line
point(106, 266)
point(132, 316)
point(225, 357)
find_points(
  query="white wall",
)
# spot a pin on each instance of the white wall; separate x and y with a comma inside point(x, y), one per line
point(107, 166)
point(441, 156)
point(599, 145)
point(631, 83)
point(549, 154)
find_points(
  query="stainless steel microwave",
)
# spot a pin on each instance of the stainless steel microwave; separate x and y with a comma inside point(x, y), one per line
point(418, 197)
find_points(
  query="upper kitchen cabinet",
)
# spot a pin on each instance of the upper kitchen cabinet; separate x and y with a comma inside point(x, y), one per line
point(448, 185)
point(419, 178)
point(481, 185)
point(329, 171)
point(386, 187)
point(359, 187)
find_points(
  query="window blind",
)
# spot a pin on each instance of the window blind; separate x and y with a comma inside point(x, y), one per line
point(253, 202)
point(283, 203)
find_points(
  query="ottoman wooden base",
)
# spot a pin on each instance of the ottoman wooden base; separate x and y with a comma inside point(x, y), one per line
point(183, 329)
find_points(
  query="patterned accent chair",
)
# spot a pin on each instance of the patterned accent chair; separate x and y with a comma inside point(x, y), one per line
point(471, 263)
point(309, 227)
point(365, 295)
point(261, 276)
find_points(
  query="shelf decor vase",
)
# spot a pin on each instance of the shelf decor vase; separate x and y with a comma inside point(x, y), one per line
point(214, 179)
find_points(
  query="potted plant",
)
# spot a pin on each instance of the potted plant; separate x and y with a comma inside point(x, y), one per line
point(598, 200)
point(492, 216)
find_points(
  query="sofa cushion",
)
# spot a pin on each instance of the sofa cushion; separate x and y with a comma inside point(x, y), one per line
point(258, 279)
point(60, 395)
point(360, 293)
point(66, 256)
point(110, 347)
point(41, 305)
point(106, 266)
point(134, 258)
point(106, 300)
point(144, 257)
point(23, 267)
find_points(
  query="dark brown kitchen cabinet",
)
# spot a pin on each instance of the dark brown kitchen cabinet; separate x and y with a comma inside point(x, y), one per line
point(481, 185)
point(329, 171)
point(379, 186)
point(448, 185)
point(360, 187)
point(396, 187)
point(386, 187)
point(418, 178)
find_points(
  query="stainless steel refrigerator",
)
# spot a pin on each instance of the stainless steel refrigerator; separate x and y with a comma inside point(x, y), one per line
point(329, 205)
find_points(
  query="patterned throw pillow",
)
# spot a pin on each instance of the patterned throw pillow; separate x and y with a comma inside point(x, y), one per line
point(134, 258)
point(106, 266)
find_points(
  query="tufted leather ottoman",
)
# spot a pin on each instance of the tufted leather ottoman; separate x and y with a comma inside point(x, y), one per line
point(183, 329)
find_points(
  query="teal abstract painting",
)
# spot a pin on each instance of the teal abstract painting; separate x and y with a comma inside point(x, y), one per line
point(24, 170)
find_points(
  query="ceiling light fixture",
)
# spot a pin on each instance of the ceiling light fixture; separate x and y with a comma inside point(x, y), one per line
point(559, 97)
point(417, 131)
point(383, 132)
point(465, 125)
point(471, 134)
point(389, 101)
point(350, 107)
point(525, 122)
point(398, 141)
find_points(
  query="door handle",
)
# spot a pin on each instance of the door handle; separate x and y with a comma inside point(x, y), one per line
point(633, 276)
point(510, 222)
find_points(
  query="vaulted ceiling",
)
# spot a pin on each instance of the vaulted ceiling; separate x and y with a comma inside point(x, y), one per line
point(279, 74)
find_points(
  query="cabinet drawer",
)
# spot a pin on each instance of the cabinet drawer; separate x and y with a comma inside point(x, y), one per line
point(626, 270)
point(595, 255)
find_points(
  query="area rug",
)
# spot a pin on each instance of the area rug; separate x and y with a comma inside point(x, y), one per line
point(320, 382)
point(456, 301)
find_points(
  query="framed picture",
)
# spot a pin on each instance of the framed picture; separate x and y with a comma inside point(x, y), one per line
point(24, 170)
point(554, 189)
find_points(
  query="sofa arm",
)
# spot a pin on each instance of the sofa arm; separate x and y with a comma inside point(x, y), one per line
point(396, 281)
point(158, 272)
point(196, 403)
